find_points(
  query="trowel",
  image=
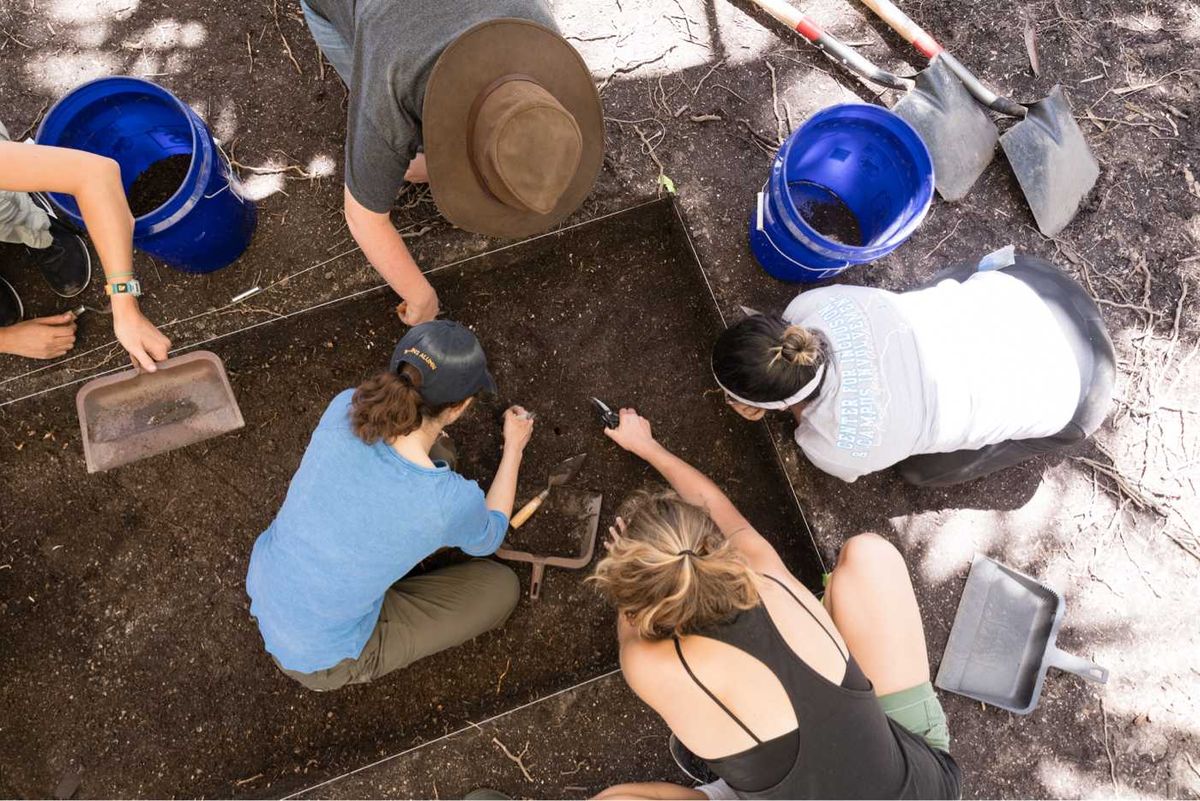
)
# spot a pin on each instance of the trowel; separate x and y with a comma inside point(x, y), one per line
point(560, 475)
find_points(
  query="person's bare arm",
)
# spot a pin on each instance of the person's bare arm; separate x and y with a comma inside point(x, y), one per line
point(385, 249)
point(634, 435)
point(649, 791)
point(518, 428)
point(95, 183)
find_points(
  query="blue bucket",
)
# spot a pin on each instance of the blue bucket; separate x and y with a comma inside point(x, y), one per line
point(206, 224)
point(857, 172)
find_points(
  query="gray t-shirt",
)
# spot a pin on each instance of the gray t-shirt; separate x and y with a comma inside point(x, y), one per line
point(395, 46)
point(953, 367)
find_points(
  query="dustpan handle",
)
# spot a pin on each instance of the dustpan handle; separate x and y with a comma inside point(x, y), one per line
point(535, 580)
point(925, 44)
point(1084, 668)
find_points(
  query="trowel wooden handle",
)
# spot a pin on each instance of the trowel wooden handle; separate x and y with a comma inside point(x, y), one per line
point(903, 24)
point(528, 509)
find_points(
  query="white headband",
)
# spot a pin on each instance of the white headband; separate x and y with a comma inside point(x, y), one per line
point(802, 394)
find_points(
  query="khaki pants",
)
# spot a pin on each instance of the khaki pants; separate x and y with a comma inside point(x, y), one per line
point(422, 615)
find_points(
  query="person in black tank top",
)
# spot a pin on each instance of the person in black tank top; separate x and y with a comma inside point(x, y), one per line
point(779, 695)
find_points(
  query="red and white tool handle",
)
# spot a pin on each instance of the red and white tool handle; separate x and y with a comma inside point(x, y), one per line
point(847, 56)
point(927, 46)
point(902, 24)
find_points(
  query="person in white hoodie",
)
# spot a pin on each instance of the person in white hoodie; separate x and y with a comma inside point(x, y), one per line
point(977, 371)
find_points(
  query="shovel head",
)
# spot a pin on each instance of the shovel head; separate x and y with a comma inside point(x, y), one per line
point(959, 134)
point(133, 415)
point(1052, 161)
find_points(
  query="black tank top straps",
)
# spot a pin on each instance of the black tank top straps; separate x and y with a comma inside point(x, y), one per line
point(844, 745)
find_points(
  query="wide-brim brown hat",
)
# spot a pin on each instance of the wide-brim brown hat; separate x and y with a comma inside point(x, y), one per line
point(513, 129)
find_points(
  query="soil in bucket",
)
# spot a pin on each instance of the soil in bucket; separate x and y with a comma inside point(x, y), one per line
point(826, 213)
point(157, 183)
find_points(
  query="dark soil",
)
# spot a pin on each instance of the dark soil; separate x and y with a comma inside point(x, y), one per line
point(565, 743)
point(126, 645)
point(830, 217)
point(156, 184)
point(559, 528)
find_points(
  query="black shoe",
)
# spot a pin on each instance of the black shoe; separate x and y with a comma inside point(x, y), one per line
point(66, 264)
point(11, 310)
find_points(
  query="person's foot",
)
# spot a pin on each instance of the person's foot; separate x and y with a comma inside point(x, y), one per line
point(66, 264)
point(11, 309)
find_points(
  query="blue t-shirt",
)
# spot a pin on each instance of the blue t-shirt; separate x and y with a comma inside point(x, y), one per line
point(356, 519)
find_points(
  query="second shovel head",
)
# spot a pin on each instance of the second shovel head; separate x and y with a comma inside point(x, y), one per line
point(1052, 161)
point(958, 132)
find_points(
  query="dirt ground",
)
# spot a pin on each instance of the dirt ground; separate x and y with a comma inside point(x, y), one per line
point(1112, 525)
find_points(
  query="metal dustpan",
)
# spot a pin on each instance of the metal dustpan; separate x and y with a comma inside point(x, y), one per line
point(1003, 640)
point(135, 414)
point(584, 507)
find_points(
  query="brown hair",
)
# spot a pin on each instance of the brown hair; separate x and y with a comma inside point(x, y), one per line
point(673, 571)
point(763, 358)
point(390, 405)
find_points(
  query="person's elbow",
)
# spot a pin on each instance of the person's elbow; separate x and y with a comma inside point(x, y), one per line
point(362, 222)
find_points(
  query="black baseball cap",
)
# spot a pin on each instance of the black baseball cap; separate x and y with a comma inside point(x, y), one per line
point(451, 361)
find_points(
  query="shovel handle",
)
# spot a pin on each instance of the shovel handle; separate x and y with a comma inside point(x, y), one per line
point(1084, 668)
point(837, 50)
point(903, 24)
point(528, 509)
point(927, 46)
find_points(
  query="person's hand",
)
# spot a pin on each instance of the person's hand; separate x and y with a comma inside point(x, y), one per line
point(40, 338)
point(518, 428)
point(416, 172)
point(421, 308)
point(633, 433)
point(145, 343)
point(751, 413)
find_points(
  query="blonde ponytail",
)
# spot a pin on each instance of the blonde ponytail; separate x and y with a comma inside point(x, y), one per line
point(672, 571)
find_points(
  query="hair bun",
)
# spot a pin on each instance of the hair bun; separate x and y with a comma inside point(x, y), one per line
point(799, 346)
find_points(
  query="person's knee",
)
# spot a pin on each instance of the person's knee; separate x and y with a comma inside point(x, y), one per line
point(869, 554)
point(500, 585)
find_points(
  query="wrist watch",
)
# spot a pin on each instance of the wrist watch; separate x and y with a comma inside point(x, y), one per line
point(130, 287)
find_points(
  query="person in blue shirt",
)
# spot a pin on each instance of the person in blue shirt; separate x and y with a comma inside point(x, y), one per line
point(374, 496)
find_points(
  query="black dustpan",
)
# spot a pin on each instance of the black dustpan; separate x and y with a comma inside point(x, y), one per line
point(1003, 640)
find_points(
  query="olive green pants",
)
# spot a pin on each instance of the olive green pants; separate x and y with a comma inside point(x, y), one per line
point(422, 615)
point(919, 710)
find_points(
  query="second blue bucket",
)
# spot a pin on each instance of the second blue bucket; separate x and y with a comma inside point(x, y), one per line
point(847, 187)
point(206, 224)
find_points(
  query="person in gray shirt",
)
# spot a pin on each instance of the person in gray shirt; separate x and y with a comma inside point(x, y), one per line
point(505, 111)
point(976, 371)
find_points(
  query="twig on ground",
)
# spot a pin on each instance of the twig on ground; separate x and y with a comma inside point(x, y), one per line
point(286, 46)
point(706, 117)
point(36, 121)
point(12, 36)
point(632, 67)
point(1112, 765)
point(735, 94)
point(241, 782)
point(780, 133)
point(250, 52)
point(705, 78)
point(648, 149)
point(500, 680)
point(944, 239)
point(764, 143)
point(517, 758)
